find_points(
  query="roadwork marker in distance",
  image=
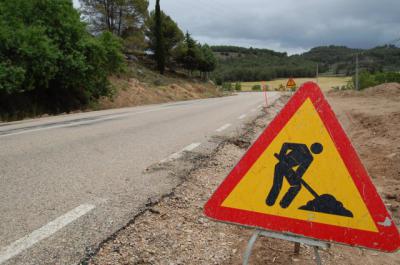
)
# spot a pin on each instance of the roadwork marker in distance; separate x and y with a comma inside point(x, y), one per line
point(44, 232)
point(291, 83)
point(302, 177)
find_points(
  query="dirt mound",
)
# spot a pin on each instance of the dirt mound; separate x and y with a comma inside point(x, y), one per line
point(326, 203)
point(389, 90)
point(132, 92)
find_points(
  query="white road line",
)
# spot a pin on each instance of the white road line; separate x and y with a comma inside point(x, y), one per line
point(260, 106)
point(179, 154)
point(241, 117)
point(28, 241)
point(78, 123)
point(223, 127)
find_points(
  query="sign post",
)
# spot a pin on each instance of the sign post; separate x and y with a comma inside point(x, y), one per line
point(264, 86)
point(303, 180)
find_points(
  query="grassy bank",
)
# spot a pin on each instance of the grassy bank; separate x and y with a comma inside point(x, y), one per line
point(326, 83)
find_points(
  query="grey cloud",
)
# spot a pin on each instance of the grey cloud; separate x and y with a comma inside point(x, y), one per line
point(288, 25)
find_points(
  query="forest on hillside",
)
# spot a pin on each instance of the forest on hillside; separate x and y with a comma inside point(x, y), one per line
point(251, 64)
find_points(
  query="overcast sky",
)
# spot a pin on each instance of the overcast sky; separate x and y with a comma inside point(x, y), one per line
point(287, 25)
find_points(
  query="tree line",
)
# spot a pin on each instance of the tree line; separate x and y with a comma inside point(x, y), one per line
point(249, 64)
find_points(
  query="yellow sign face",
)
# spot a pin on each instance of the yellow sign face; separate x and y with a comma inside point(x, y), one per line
point(299, 174)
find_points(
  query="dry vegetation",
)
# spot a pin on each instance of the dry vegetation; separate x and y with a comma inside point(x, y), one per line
point(326, 83)
point(142, 86)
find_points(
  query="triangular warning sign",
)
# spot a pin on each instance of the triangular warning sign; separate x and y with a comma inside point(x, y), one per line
point(290, 83)
point(302, 176)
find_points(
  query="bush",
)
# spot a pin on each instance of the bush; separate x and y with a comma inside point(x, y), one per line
point(48, 61)
point(238, 86)
point(227, 86)
point(256, 88)
point(366, 79)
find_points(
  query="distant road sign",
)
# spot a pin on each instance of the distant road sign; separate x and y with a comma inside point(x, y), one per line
point(302, 176)
point(291, 83)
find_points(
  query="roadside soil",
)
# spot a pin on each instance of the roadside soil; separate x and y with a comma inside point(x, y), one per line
point(148, 87)
point(175, 231)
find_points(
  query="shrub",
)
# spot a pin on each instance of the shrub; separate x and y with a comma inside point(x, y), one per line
point(256, 88)
point(366, 79)
point(48, 61)
point(238, 86)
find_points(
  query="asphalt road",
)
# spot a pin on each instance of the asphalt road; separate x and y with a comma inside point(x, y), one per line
point(69, 182)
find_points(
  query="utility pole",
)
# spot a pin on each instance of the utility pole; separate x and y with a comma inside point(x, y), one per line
point(357, 80)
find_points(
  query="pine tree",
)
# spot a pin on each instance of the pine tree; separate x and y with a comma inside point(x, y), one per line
point(160, 51)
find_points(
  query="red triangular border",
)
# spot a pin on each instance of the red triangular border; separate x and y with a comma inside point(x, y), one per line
point(387, 239)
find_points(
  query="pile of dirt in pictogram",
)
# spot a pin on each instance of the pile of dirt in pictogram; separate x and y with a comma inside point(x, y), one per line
point(326, 203)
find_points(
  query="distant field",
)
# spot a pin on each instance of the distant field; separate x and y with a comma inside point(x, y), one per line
point(326, 83)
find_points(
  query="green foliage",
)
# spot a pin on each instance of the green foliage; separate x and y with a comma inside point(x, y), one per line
point(258, 64)
point(194, 56)
point(49, 63)
point(249, 64)
point(226, 50)
point(190, 53)
point(227, 86)
point(238, 86)
point(159, 52)
point(367, 79)
point(172, 36)
point(341, 60)
point(206, 61)
point(256, 88)
point(387, 77)
point(121, 17)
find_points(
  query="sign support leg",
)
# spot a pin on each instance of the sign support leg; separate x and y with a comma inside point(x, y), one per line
point(298, 240)
point(250, 245)
point(296, 248)
point(317, 256)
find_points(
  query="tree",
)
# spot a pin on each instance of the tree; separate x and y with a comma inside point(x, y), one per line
point(121, 17)
point(48, 61)
point(159, 39)
point(172, 36)
point(190, 54)
point(207, 61)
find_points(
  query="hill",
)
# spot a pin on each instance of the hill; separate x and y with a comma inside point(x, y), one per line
point(250, 64)
point(341, 59)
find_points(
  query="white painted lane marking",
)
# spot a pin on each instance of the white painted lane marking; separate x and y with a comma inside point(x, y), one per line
point(28, 241)
point(78, 123)
point(223, 127)
point(179, 154)
point(241, 117)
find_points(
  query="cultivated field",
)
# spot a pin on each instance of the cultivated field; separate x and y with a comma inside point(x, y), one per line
point(326, 83)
